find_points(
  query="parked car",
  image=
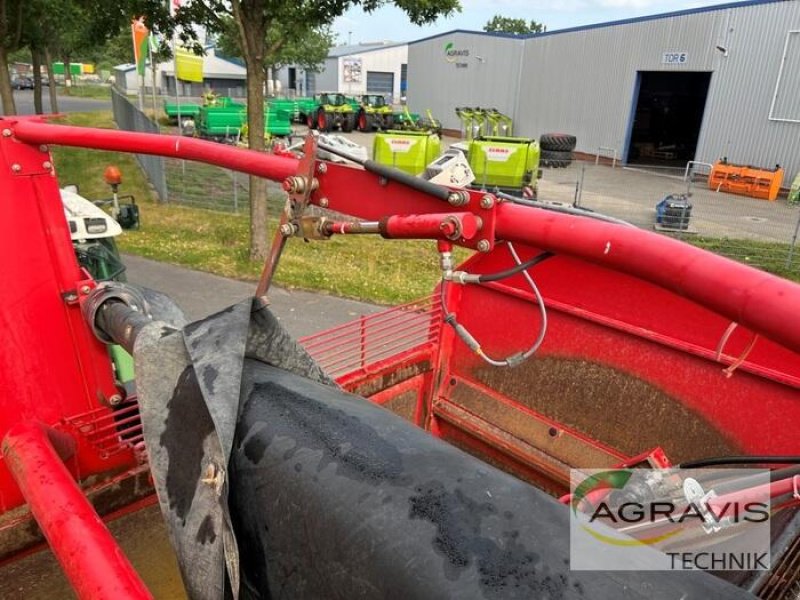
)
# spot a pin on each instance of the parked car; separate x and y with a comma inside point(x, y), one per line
point(22, 83)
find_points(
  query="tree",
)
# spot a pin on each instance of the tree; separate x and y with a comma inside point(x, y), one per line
point(264, 28)
point(12, 17)
point(307, 51)
point(517, 26)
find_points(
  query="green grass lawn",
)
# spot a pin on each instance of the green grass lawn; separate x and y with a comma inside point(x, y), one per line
point(87, 91)
point(363, 267)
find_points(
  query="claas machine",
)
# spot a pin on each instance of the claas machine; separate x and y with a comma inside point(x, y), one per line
point(420, 452)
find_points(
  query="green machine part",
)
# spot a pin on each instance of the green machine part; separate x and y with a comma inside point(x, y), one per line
point(224, 119)
point(184, 110)
point(409, 151)
point(278, 119)
point(507, 163)
point(101, 258)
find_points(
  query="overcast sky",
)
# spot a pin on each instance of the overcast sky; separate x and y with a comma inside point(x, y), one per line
point(392, 24)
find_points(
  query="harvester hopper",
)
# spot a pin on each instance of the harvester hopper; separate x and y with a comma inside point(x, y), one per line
point(420, 452)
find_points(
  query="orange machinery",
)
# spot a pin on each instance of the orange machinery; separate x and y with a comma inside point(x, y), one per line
point(746, 181)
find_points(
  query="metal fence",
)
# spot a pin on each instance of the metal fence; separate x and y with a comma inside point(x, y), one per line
point(130, 118)
point(761, 233)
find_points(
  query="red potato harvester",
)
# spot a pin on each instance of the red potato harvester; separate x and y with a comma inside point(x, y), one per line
point(417, 452)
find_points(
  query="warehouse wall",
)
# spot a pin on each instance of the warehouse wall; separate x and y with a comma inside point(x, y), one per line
point(490, 79)
point(583, 81)
point(327, 80)
point(386, 60)
point(737, 121)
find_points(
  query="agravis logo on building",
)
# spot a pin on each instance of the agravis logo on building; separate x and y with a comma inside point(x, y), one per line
point(451, 54)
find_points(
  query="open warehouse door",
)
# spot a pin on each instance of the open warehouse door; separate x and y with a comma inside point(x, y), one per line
point(667, 116)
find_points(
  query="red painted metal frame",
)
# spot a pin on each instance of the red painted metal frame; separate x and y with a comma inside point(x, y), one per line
point(611, 259)
point(763, 302)
point(89, 555)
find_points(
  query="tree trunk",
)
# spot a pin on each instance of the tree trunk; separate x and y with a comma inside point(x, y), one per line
point(36, 59)
point(6, 93)
point(259, 248)
point(67, 73)
point(51, 81)
point(252, 35)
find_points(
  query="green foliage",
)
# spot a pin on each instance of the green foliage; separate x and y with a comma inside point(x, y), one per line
point(517, 26)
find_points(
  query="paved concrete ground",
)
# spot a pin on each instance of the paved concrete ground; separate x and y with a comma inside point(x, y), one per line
point(142, 535)
point(632, 194)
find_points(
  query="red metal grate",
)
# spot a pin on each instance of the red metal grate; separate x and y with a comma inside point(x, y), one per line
point(373, 339)
point(111, 431)
point(349, 348)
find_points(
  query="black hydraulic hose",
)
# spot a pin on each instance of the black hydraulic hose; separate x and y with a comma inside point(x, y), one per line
point(515, 269)
point(120, 323)
point(741, 483)
point(739, 460)
point(392, 174)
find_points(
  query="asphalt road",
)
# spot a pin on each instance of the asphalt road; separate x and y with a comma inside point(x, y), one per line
point(202, 294)
point(24, 102)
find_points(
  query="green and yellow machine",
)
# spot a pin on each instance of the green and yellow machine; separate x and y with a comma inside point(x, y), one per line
point(327, 111)
point(409, 151)
point(374, 113)
point(506, 164)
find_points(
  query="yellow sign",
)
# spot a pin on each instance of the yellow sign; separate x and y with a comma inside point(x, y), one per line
point(188, 66)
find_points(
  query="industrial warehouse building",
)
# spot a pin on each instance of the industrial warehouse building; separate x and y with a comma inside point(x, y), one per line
point(376, 68)
point(701, 84)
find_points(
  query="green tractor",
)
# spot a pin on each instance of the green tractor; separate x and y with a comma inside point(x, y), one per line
point(374, 113)
point(333, 110)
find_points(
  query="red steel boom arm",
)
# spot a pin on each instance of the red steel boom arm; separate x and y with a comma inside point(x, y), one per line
point(760, 301)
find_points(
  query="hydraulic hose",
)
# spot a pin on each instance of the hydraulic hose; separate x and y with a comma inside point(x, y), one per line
point(520, 267)
point(473, 343)
point(739, 460)
point(567, 210)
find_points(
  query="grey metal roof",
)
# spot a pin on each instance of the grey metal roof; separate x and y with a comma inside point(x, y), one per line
point(339, 51)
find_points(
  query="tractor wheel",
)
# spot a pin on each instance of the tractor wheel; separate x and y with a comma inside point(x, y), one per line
point(311, 121)
point(348, 122)
point(557, 142)
point(323, 121)
point(388, 122)
point(363, 121)
point(556, 160)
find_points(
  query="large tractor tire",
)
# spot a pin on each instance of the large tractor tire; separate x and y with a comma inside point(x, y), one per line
point(324, 121)
point(311, 121)
point(364, 122)
point(348, 122)
point(388, 122)
point(557, 142)
point(555, 159)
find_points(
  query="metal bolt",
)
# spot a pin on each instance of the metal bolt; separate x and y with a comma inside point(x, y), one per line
point(7, 133)
point(115, 400)
point(487, 202)
point(85, 289)
point(47, 165)
point(44, 148)
point(484, 246)
point(458, 198)
point(323, 202)
point(16, 168)
point(322, 168)
point(287, 229)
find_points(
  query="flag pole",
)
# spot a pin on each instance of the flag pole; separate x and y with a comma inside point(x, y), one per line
point(153, 67)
